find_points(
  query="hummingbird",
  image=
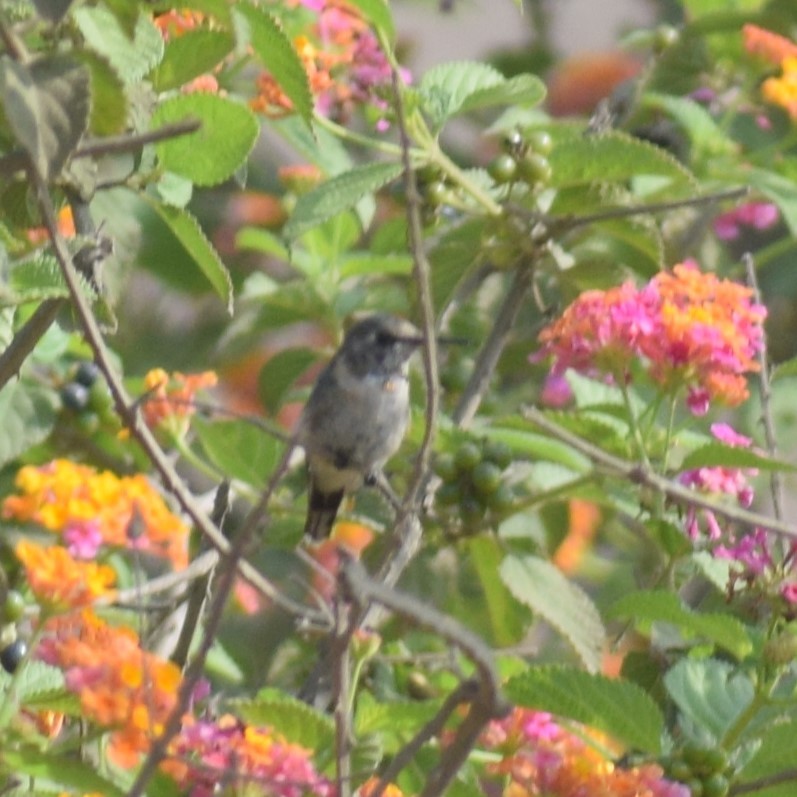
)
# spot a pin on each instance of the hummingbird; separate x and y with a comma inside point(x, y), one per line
point(357, 414)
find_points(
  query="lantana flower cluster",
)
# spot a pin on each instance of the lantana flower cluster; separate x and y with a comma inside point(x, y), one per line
point(780, 90)
point(751, 553)
point(686, 328)
point(90, 508)
point(539, 757)
point(344, 62)
point(170, 400)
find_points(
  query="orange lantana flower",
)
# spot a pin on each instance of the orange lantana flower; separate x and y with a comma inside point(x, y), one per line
point(60, 581)
point(170, 400)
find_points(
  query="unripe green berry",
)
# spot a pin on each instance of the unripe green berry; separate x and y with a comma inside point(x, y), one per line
point(467, 457)
point(486, 478)
point(498, 453)
point(445, 467)
point(503, 168)
point(540, 141)
point(14, 605)
point(535, 169)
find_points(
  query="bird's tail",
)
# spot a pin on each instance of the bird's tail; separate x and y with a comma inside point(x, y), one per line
point(321, 511)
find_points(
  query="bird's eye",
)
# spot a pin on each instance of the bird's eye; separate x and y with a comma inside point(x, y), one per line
point(384, 338)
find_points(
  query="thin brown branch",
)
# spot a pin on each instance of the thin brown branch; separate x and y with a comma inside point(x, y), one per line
point(761, 784)
point(490, 353)
point(341, 685)
point(113, 145)
point(765, 392)
point(24, 341)
point(638, 474)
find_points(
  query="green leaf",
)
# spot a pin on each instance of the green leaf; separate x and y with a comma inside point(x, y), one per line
point(506, 621)
point(775, 755)
point(377, 12)
point(260, 240)
point(710, 693)
point(47, 106)
point(28, 413)
point(705, 135)
point(277, 54)
point(280, 372)
point(65, 770)
point(619, 708)
point(394, 717)
point(521, 436)
point(194, 53)
point(131, 58)
point(781, 190)
point(292, 718)
point(359, 264)
point(562, 604)
point(214, 152)
point(35, 279)
point(611, 156)
point(521, 90)
point(239, 449)
point(646, 607)
point(449, 89)
point(712, 455)
point(35, 682)
point(338, 194)
point(108, 98)
point(188, 232)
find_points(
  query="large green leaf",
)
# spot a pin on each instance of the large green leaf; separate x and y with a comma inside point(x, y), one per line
point(47, 105)
point(710, 693)
point(239, 449)
point(131, 58)
point(190, 55)
point(611, 156)
point(774, 756)
point(525, 441)
point(291, 718)
point(277, 54)
point(620, 708)
point(28, 413)
point(218, 149)
point(108, 97)
point(188, 232)
point(449, 89)
point(562, 604)
point(645, 608)
point(712, 455)
point(338, 194)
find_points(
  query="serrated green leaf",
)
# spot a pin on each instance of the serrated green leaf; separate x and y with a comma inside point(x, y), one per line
point(340, 193)
point(36, 279)
point(539, 585)
point(710, 693)
point(239, 449)
point(28, 413)
point(619, 708)
point(47, 103)
point(132, 58)
point(61, 769)
point(452, 257)
point(445, 88)
point(705, 135)
point(293, 719)
point(36, 680)
point(188, 232)
point(394, 717)
point(378, 13)
point(521, 90)
point(194, 53)
point(214, 152)
point(277, 54)
point(279, 374)
point(774, 756)
point(611, 156)
point(643, 608)
point(108, 97)
point(713, 455)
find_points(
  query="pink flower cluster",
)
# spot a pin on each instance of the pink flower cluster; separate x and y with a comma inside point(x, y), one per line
point(248, 757)
point(758, 215)
point(685, 328)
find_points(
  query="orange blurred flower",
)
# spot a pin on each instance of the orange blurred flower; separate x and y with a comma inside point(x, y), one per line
point(169, 402)
point(782, 90)
point(368, 788)
point(88, 507)
point(178, 21)
point(771, 46)
point(59, 581)
point(120, 686)
point(66, 226)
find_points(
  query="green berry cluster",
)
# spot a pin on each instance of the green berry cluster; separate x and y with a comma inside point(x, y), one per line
point(474, 483)
point(85, 397)
point(705, 770)
point(524, 159)
point(12, 648)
